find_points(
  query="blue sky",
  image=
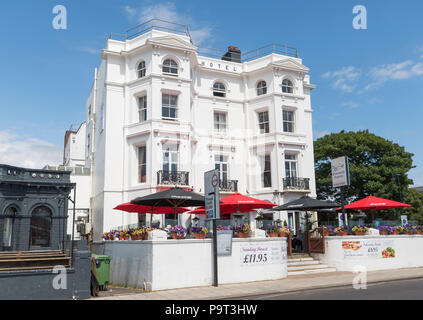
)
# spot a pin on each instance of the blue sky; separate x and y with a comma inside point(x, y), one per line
point(366, 79)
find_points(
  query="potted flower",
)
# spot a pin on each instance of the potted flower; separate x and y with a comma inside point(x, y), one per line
point(199, 232)
point(178, 232)
point(242, 230)
point(419, 229)
point(272, 231)
point(384, 230)
point(327, 231)
point(284, 231)
point(341, 231)
point(397, 230)
point(108, 236)
point(360, 230)
point(221, 228)
point(123, 234)
point(137, 234)
point(409, 229)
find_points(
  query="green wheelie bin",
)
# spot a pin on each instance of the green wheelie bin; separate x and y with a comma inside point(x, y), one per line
point(102, 270)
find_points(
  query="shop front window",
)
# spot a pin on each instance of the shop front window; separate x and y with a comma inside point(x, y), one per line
point(40, 228)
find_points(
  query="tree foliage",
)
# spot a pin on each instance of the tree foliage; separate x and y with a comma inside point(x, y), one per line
point(378, 167)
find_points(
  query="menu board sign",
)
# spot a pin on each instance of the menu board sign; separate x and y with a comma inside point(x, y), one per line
point(263, 253)
point(369, 249)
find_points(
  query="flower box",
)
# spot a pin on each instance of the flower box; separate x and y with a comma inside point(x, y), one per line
point(383, 232)
point(242, 234)
point(198, 235)
point(176, 236)
point(273, 234)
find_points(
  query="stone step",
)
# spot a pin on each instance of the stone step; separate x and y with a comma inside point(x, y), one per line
point(312, 271)
point(302, 263)
point(300, 259)
point(307, 267)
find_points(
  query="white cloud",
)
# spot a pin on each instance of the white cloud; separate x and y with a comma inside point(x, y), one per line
point(320, 134)
point(89, 50)
point(395, 71)
point(344, 79)
point(28, 152)
point(350, 105)
point(168, 11)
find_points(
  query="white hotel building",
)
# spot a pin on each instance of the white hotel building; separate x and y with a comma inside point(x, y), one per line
point(162, 111)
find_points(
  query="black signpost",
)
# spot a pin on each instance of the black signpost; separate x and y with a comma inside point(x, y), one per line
point(211, 188)
point(341, 179)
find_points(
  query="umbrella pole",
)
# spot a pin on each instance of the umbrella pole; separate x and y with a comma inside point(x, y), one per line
point(373, 218)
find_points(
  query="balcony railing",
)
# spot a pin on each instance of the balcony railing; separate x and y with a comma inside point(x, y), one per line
point(228, 185)
point(297, 184)
point(177, 178)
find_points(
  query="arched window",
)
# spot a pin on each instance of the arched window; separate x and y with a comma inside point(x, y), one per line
point(261, 88)
point(141, 69)
point(8, 221)
point(219, 89)
point(170, 67)
point(287, 86)
point(40, 229)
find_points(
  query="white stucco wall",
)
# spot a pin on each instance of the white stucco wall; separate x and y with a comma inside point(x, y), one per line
point(174, 264)
point(408, 252)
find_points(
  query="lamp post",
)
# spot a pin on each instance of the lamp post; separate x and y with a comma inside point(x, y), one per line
point(396, 177)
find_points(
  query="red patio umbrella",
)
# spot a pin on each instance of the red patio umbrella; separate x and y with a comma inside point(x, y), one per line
point(137, 208)
point(372, 204)
point(238, 203)
point(129, 207)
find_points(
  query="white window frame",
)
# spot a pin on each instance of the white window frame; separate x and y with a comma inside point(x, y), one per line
point(170, 148)
point(142, 109)
point(287, 88)
point(171, 65)
point(169, 106)
point(291, 162)
point(260, 124)
point(218, 125)
point(219, 161)
point(141, 69)
point(261, 90)
point(288, 122)
point(219, 89)
point(264, 171)
point(142, 164)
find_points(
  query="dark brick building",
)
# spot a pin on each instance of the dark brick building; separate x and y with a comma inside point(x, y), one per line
point(33, 208)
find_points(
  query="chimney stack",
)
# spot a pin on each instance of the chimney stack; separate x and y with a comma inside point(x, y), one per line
point(233, 54)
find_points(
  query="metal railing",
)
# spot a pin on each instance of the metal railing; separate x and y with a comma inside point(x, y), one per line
point(156, 24)
point(228, 185)
point(296, 184)
point(252, 54)
point(178, 178)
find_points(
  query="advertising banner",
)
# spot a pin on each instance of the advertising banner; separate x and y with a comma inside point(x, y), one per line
point(262, 253)
point(369, 249)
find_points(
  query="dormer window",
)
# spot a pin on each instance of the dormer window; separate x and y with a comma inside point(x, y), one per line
point(219, 89)
point(287, 86)
point(170, 67)
point(141, 69)
point(261, 88)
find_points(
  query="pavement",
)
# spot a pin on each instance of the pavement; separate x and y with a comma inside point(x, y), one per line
point(254, 289)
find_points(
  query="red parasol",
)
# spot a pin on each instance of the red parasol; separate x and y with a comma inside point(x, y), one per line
point(375, 203)
point(238, 203)
point(372, 204)
point(129, 207)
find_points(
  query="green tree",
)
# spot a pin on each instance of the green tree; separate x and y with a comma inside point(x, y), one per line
point(377, 166)
point(414, 198)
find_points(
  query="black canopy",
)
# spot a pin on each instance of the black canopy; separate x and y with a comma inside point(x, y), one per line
point(173, 197)
point(306, 204)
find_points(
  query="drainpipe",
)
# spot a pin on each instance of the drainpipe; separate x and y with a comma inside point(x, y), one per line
point(92, 155)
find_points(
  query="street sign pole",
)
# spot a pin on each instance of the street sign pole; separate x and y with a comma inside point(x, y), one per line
point(341, 179)
point(211, 189)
